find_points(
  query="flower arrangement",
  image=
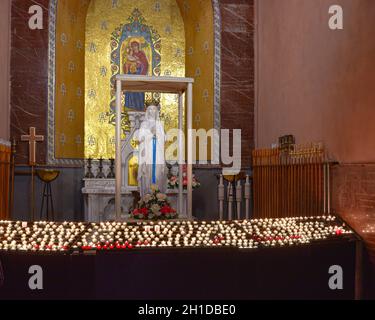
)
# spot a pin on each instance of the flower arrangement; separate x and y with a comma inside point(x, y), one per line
point(154, 206)
point(173, 181)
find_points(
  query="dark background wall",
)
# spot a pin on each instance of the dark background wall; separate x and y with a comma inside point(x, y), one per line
point(29, 90)
point(318, 84)
point(66, 190)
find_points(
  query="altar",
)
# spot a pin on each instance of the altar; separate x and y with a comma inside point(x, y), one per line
point(99, 200)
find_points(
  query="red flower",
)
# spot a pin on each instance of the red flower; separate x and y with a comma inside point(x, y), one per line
point(143, 211)
point(164, 210)
point(167, 209)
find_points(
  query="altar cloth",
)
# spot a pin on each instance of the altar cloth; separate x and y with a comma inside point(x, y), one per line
point(2, 278)
point(190, 274)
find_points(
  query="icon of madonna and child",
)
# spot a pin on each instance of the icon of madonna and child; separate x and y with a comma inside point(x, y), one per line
point(135, 63)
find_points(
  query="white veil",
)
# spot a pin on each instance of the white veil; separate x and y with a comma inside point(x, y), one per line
point(150, 127)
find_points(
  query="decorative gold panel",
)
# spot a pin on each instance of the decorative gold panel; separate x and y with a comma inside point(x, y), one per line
point(106, 24)
point(198, 18)
point(69, 75)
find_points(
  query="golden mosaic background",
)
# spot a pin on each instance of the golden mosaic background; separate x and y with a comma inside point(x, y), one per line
point(200, 56)
point(70, 75)
point(164, 16)
point(82, 103)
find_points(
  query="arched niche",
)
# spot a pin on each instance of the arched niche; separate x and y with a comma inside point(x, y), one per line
point(80, 123)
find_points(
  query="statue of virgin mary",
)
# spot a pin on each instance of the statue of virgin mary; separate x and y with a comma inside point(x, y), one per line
point(151, 158)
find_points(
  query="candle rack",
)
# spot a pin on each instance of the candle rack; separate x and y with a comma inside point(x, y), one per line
point(292, 182)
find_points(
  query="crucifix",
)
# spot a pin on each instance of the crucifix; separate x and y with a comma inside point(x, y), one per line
point(32, 139)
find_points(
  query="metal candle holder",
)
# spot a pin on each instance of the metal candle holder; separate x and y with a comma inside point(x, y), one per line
point(111, 174)
point(89, 174)
point(100, 174)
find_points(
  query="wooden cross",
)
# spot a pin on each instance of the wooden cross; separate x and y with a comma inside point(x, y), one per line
point(32, 138)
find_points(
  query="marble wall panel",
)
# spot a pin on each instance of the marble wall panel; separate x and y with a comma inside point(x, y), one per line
point(29, 77)
point(237, 63)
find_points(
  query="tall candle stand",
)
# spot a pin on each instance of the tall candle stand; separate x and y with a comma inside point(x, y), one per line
point(111, 174)
point(100, 174)
point(89, 174)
